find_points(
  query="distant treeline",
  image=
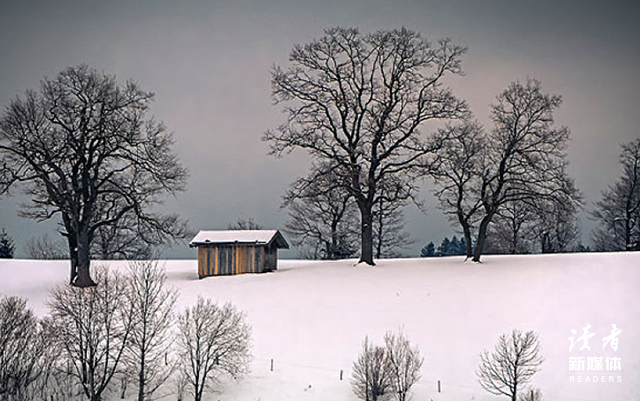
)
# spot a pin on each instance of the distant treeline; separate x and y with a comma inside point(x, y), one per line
point(447, 247)
point(455, 246)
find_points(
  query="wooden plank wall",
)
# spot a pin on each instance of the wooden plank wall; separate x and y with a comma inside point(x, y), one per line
point(232, 259)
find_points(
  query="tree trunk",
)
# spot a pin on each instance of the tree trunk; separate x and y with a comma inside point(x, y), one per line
point(379, 234)
point(466, 232)
point(141, 380)
point(83, 278)
point(72, 243)
point(482, 237)
point(334, 241)
point(366, 239)
point(73, 256)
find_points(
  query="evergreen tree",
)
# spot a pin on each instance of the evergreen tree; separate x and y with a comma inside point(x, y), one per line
point(445, 247)
point(455, 246)
point(462, 250)
point(7, 246)
point(428, 251)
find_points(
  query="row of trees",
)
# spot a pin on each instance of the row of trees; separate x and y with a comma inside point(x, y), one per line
point(359, 105)
point(121, 332)
point(85, 151)
point(446, 248)
point(552, 226)
point(389, 371)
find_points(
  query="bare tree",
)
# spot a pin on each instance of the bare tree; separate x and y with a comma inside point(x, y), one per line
point(150, 340)
point(404, 361)
point(556, 226)
point(56, 381)
point(359, 103)
point(371, 376)
point(389, 236)
point(84, 149)
point(322, 216)
point(245, 224)
point(618, 212)
point(527, 159)
point(214, 340)
point(46, 248)
point(531, 394)
point(121, 241)
point(522, 160)
point(537, 225)
point(511, 365)
point(92, 328)
point(457, 170)
point(509, 231)
point(21, 350)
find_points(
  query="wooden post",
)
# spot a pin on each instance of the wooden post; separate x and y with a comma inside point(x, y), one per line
point(439, 386)
point(341, 374)
point(272, 365)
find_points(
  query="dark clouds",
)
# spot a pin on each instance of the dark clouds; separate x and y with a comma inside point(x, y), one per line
point(208, 63)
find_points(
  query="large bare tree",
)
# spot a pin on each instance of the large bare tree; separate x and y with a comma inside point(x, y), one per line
point(522, 161)
point(618, 212)
point(85, 150)
point(360, 103)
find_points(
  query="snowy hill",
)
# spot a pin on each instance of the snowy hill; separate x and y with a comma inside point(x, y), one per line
point(311, 318)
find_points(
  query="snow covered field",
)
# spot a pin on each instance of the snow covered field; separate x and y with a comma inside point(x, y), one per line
point(311, 318)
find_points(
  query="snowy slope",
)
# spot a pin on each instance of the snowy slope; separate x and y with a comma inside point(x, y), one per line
point(311, 317)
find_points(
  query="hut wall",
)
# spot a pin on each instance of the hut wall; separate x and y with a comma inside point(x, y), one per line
point(270, 258)
point(234, 259)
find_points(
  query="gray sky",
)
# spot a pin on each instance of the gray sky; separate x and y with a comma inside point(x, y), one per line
point(208, 63)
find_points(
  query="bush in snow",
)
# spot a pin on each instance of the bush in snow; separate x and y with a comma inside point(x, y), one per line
point(531, 394)
point(404, 362)
point(511, 365)
point(371, 376)
point(91, 328)
point(384, 372)
point(214, 342)
point(21, 349)
point(147, 354)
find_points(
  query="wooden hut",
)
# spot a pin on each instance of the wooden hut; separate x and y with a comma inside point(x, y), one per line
point(237, 251)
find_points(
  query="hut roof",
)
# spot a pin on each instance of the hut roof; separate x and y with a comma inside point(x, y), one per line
point(264, 237)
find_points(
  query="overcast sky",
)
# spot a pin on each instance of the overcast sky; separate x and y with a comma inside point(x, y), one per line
point(208, 63)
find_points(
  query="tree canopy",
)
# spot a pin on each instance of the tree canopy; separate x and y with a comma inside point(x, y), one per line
point(359, 102)
point(85, 151)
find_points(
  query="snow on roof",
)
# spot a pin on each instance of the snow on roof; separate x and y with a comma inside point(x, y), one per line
point(239, 236)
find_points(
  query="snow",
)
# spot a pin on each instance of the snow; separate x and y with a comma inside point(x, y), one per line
point(231, 236)
point(311, 318)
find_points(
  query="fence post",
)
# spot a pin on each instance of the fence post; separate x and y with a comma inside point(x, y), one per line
point(272, 364)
